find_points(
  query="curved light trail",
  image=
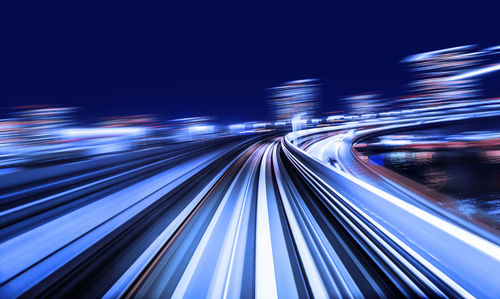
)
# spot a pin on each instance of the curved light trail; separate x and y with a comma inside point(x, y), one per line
point(263, 216)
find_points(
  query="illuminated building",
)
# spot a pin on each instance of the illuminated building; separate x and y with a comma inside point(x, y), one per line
point(192, 128)
point(294, 98)
point(131, 121)
point(39, 124)
point(363, 103)
point(435, 73)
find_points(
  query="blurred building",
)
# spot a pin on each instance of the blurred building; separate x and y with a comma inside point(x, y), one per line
point(149, 122)
point(408, 102)
point(143, 120)
point(435, 76)
point(9, 132)
point(39, 124)
point(294, 98)
point(364, 103)
point(192, 128)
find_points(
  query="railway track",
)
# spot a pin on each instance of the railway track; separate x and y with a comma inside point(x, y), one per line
point(252, 218)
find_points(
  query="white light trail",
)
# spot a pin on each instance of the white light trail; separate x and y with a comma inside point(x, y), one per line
point(474, 73)
point(265, 277)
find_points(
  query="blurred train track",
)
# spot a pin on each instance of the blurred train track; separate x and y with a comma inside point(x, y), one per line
point(254, 217)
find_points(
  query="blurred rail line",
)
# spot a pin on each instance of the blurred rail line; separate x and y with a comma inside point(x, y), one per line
point(262, 215)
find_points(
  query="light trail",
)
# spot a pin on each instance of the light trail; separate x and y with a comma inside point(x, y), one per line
point(262, 216)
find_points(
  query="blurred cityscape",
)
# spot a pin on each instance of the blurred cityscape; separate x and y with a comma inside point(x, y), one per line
point(442, 79)
point(387, 197)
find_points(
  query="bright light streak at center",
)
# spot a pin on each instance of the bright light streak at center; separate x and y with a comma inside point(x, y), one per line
point(475, 73)
point(265, 278)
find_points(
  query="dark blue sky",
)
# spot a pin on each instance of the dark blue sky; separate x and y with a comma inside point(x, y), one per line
point(119, 59)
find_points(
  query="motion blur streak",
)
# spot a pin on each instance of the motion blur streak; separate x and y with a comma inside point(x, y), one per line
point(477, 72)
point(264, 214)
point(265, 281)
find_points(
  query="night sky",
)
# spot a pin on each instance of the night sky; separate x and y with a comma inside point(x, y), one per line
point(195, 60)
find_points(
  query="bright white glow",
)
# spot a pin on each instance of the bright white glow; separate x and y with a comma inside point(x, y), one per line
point(201, 129)
point(395, 142)
point(236, 127)
point(101, 132)
point(265, 278)
point(296, 122)
point(474, 73)
point(259, 125)
point(426, 55)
